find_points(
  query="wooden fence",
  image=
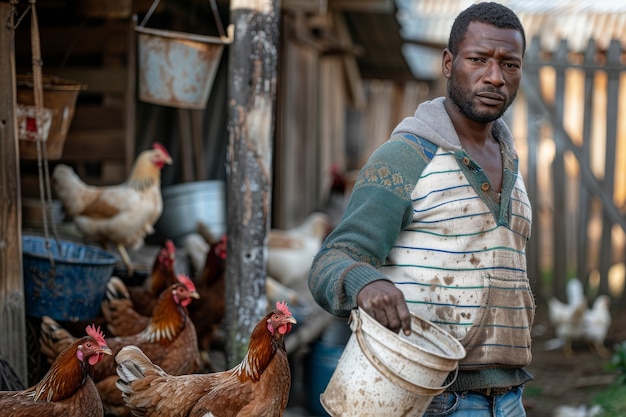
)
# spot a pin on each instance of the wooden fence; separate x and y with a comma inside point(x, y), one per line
point(575, 167)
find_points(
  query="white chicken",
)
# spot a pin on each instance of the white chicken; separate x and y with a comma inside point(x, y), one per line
point(596, 323)
point(577, 411)
point(572, 329)
point(574, 321)
point(291, 252)
point(560, 312)
point(567, 318)
point(120, 214)
point(196, 247)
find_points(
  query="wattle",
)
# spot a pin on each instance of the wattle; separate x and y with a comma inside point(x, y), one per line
point(285, 328)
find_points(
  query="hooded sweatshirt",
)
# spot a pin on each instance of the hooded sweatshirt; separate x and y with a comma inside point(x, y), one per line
point(424, 215)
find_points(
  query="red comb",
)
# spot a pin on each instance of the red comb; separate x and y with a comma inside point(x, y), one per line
point(220, 247)
point(96, 333)
point(186, 281)
point(169, 245)
point(157, 145)
point(283, 308)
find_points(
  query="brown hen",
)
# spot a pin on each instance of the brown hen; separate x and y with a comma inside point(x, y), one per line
point(258, 386)
point(208, 315)
point(67, 389)
point(169, 340)
point(127, 310)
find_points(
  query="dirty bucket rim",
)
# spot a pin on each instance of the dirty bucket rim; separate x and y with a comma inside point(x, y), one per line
point(172, 34)
point(397, 379)
point(105, 258)
point(455, 354)
point(50, 82)
point(206, 186)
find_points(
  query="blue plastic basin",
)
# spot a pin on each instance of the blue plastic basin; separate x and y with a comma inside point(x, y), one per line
point(73, 289)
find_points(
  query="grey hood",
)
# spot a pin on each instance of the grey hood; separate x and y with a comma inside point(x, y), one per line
point(431, 122)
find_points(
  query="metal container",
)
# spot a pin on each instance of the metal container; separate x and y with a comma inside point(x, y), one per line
point(186, 204)
point(177, 69)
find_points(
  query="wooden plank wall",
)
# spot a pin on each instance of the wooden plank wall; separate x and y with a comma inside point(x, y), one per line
point(98, 52)
point(327, 115)
point(576, 168)
point(295, 152)
point(95, 51)
point(12, 310)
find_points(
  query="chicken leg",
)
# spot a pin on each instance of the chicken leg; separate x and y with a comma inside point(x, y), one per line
point(129, 264)
point(601, 350)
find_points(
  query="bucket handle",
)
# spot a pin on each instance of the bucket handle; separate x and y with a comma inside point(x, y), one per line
point(396, 379)
point(357, 325)
point(218, 21)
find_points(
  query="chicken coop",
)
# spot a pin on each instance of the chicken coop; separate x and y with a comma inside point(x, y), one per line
point(343, 83)
point(328, 68)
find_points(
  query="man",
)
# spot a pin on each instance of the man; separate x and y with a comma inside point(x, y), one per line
point(439, 219)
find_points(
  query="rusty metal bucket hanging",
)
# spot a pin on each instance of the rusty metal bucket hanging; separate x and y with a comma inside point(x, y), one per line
point(177, 69)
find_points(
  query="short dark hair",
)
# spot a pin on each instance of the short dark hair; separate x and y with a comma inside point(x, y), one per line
point(491, 13)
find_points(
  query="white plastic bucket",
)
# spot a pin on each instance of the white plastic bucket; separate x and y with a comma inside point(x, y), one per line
point(382, 373)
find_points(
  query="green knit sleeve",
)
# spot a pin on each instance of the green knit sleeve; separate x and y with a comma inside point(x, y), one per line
point(379, 208)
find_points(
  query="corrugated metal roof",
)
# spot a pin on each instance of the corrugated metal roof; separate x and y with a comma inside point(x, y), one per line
point(572, 6)
point(428, 23)
point(378, 36)
point(574, 20)
point(407, 44)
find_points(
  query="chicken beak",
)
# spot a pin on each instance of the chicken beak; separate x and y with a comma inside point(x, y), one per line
point(106, 350)
point(291, 320)
point(194, 294)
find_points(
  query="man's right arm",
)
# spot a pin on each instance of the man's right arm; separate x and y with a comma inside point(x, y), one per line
point(344, 273)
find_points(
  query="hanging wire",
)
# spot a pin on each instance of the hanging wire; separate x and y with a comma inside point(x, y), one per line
point(42, 156)
point(216, 16)
point(13, 13)
point(218, 21)
point(78, 36)
point(154, 5)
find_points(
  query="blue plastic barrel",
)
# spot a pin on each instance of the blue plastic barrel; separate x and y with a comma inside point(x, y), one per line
point(322, 363)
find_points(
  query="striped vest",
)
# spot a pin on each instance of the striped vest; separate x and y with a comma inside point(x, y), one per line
point(461, 262)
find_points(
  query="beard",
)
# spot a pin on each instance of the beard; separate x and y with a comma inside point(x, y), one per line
point(463, 100)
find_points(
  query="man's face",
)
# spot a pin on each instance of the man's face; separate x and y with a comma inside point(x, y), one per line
point(484, 76)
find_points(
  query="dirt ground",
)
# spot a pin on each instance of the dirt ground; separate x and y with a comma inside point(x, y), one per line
point(561, 380)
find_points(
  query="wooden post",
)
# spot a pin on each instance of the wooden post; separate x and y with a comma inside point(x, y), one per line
point(559, 177)
point(251, 99)
point(12, 316)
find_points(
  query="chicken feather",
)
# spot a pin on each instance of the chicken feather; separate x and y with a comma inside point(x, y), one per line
point(127, 310)
point(169, 339)
point(258, 386)
point(290, 252)
point(67, 389)
point(121, 214)
point(596, 323)
point(574, 321)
